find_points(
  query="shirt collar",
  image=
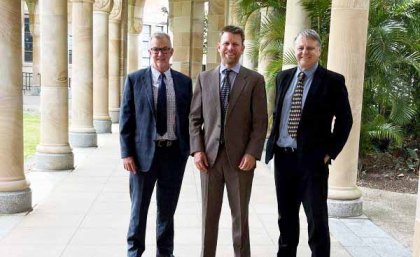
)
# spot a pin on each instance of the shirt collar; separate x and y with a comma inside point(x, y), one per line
point(235, 68)
point(156, 74)
point(309, 72)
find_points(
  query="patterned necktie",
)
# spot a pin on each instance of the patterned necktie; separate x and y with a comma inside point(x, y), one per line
point(161, 112)
point(224, 100)
point(296, 107)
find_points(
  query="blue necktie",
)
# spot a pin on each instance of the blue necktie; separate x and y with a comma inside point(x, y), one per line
point(161, 112)
point(224, 101)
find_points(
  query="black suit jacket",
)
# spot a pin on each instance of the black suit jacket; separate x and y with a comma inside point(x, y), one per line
point(138, 118)
point(327, 98)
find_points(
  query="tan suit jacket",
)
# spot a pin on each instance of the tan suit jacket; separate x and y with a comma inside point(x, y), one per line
point(246, 118)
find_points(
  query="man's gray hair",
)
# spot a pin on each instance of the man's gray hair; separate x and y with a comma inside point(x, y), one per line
point(160, 35)
point(311, 34)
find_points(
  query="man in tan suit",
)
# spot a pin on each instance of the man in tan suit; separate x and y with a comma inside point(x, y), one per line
point(228, 125)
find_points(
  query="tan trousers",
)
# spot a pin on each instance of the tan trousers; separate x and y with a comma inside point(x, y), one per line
point(238, 185)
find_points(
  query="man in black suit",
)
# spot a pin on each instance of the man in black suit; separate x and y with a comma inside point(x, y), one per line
point(155, 144)
point(312, 121)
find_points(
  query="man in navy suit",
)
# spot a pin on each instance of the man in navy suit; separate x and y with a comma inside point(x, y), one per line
point(303, 141)
point(155, 144)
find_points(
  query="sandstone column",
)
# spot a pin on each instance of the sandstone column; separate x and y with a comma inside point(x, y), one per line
point(232, 14)
point(53, 151)
point(82, 132)
point(296, 20)
point(250, 34)
point(346, 55)
point(187, 24)
point(416, 238)
point(124, 44)
point(15, 194)
point(264, 61)
point(135, 26)
point(216, 21)
point(33, 6)
point(114, 60)
point(196, 60)
point(101, 118)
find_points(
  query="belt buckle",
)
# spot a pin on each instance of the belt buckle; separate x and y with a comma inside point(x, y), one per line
point(164, 143)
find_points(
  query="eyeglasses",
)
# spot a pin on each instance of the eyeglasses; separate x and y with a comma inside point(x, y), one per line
point(163, 50)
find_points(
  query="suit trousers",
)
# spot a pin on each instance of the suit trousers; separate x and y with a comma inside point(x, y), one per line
point(166, 172)
point(296, 186)
point(238, 185)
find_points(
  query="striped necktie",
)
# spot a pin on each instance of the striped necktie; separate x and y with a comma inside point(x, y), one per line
point(296, 107)
point(224, 100)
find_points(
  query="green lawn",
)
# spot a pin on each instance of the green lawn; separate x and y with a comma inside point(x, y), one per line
point(30, 133)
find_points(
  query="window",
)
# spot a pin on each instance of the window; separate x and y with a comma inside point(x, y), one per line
point(145, 38)
point(28, 41)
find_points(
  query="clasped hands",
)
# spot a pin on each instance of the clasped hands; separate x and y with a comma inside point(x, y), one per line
point(200, 160)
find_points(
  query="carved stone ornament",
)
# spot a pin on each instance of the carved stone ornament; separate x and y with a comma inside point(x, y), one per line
point(103, 5)
point(135, 26)
point(116, 11)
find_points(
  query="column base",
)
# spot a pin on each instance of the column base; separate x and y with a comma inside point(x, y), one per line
point(15, 202)
point(102, 126)
point(345, 208)
point(54, 161)
point(115, 115)
point(83, 139)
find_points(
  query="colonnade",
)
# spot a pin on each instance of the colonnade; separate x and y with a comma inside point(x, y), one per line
point(105, 38)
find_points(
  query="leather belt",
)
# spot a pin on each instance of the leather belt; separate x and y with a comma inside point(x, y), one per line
point(286, 149)
point(165, 143)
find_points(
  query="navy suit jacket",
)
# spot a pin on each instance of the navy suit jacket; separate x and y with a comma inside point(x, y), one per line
point(138, 116)
point(327, 98)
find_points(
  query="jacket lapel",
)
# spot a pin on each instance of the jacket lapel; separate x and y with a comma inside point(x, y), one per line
point(214, 93)
point(176, 80)
point(237, 88)
point(318, 75)
point(148, 82)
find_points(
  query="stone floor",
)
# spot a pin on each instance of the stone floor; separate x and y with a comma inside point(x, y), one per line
point(84, 213)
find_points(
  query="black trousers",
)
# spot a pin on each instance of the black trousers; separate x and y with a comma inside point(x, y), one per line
point(296, 186)
point(167, 172)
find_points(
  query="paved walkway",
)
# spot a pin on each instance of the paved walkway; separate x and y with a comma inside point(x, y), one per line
point(84, 213)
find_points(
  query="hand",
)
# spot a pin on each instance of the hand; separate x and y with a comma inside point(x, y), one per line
point(130, 164)
point(247, 162)
point(200, 161)
point(326, 159)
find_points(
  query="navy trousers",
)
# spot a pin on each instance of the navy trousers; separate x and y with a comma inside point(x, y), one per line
point(309, 188)
point(166, 172)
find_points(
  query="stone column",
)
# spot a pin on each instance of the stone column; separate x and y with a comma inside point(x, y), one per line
point(232, 14)
point(216, 21)
point(196, 60)
point(53, 151)
point(416, 238)
point(114, 60)
point(296, 20)
point(250, 34)
point(33, 8)
point(135, 26)
point(187, 24)
point(15, 194)
point(124, 44)
point(82, 132)
point(346, 55)
point(264, 61)
point(101, 119)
